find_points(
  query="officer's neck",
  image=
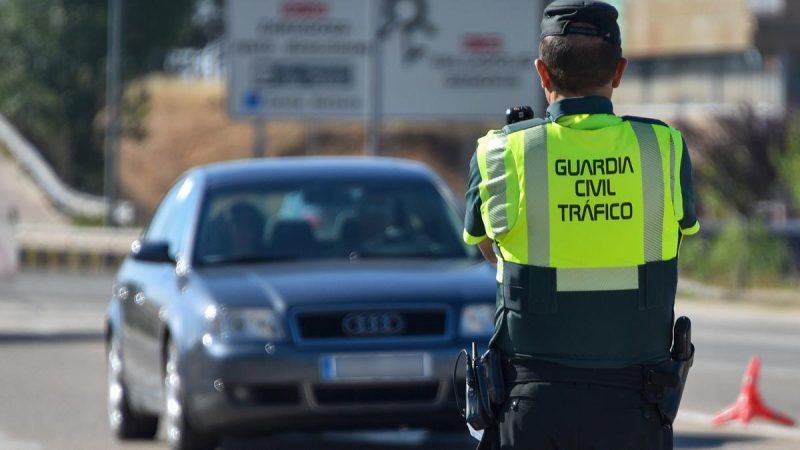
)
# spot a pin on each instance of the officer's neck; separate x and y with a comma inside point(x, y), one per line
point(602, 91)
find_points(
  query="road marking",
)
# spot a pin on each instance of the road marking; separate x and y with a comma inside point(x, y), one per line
point(756, 427)
point(748, 338)
point(773, 371)
point(9, 443)
point(17, 317)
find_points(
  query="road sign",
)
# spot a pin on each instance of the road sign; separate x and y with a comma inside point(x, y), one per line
point(297, 58)
point(458, 58)
point(435, 58)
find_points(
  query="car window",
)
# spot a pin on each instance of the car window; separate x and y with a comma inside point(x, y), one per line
point(157, 230)
point(333, 219)
point(172, 219)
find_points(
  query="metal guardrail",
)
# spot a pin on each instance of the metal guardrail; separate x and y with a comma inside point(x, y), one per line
point(73, 238)
point(65, 198)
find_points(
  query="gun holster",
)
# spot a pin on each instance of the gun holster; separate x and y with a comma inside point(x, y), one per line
point(485, 388)
point(664, 382)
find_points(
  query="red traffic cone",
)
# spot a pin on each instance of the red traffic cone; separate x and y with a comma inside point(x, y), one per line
point(749, 404)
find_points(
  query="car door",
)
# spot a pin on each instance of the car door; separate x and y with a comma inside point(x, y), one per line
point(153, 286)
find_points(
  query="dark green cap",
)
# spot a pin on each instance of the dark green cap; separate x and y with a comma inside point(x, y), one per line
point(586, 17)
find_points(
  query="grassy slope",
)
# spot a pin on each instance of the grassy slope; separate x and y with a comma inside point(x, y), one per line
point(188, 126)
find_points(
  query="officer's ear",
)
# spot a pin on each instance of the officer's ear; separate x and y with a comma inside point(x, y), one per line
point(622, 64)
point(544, 74)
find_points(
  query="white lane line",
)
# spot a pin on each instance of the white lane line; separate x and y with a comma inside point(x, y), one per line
point(747, 338)
point(756, 427)
point(8, 443)
point(748, 311)
point(771, 371)
point(30, 320)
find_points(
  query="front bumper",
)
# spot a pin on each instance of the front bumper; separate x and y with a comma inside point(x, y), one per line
point(255, 387)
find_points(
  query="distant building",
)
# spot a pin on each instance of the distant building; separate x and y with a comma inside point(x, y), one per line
point(778, 39)
point(709, 58)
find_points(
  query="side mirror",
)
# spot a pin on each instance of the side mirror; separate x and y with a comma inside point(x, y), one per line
point(156, 252)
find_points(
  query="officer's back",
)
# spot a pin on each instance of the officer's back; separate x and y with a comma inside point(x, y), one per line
point(586, 210)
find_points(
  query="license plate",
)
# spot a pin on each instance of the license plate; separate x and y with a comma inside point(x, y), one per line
point(406, 366)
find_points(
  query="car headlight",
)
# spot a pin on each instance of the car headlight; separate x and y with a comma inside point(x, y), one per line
point(247, 323)
point(477, 320)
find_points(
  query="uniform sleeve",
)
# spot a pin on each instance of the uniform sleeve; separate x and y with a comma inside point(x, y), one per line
point(689, 223)
point(474, 231)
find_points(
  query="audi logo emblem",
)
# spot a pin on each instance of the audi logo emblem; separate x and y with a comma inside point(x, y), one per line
point(373, 324)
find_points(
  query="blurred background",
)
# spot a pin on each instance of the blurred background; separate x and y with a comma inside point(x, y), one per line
point(92, 134)
point(726, 72)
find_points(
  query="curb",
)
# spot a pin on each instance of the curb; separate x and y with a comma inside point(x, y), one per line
point(76, 261)
point(71, 248)
point(689, 289)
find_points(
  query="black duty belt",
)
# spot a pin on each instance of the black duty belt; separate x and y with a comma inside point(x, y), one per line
point(527, 371)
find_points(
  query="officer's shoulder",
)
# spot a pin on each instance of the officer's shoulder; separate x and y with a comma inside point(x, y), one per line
point(491, 134)
point(524, 125)
point(647, 120)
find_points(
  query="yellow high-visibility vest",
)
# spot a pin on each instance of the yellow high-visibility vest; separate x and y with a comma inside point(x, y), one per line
point(554, 196)
point(587, 221)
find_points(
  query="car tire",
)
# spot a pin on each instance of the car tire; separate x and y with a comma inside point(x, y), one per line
point(124, 422)
point(180, 434)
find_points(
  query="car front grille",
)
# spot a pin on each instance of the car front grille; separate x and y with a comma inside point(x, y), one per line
point(365, 395)
point(371, 324)
point(265, 394)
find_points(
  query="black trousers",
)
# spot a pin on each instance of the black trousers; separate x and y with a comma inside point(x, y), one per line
point(576, 416)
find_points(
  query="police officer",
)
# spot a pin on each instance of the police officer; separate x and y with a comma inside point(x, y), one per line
point(584, 212)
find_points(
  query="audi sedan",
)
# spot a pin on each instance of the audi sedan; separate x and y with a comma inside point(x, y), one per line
point(294, 294)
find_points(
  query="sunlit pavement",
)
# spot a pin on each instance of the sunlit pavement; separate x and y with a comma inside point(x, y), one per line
point(698, 434)
point(53, 376)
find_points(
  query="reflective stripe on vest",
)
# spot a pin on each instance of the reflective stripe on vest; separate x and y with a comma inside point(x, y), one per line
point(494, 192)
point(602, 279)
point(652, 190)
point(537, 194)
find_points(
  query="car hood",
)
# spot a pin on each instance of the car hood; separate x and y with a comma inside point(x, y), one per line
point(293, 284)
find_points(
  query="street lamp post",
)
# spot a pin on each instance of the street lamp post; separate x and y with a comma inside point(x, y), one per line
point(113, 109)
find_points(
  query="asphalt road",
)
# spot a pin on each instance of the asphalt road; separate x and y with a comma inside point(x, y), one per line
point(52, 371)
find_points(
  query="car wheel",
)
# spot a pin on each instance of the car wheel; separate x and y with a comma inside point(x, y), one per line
point(124, 423)
point(180, 434)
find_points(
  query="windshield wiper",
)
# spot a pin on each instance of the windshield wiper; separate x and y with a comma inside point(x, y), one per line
point(251, 259)
point(376, 255)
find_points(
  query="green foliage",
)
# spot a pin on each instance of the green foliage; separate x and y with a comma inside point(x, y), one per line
point(88, 221)
point(739, 255)
point(743, 164)
point(52, 85)
point(135, 107)
point(787, 160)
point(732, 159)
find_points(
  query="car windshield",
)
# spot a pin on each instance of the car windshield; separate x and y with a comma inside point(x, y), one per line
point(330, 220)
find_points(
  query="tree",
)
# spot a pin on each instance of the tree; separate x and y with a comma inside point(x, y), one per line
point(735, 159)
point(741, 161)
point(787, 161)
point(52, 81)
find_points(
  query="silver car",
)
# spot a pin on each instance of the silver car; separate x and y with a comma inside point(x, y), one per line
point(295, 294)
